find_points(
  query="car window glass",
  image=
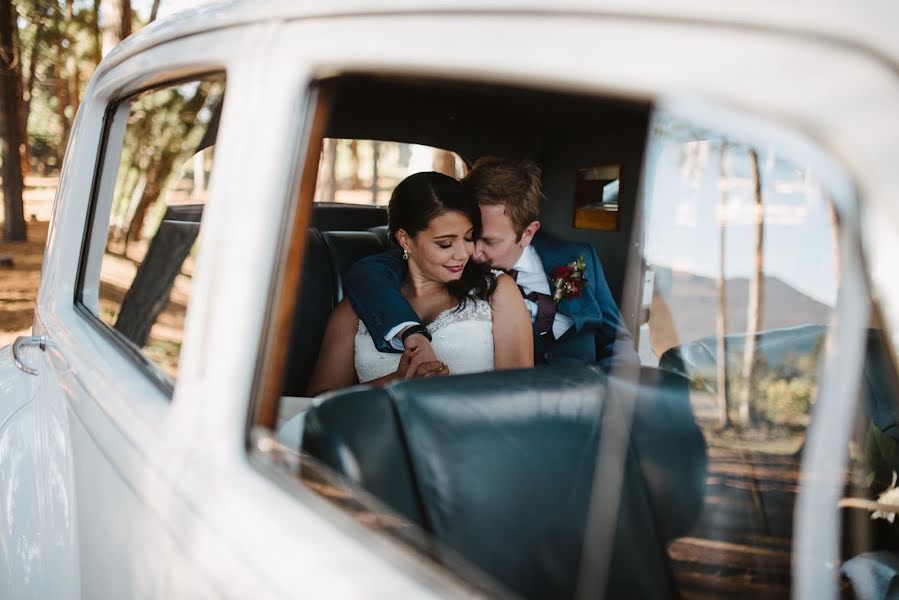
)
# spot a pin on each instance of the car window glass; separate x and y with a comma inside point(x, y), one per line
point(739, 293)
point(366, 171)
point(150, 218)
point(688, 466)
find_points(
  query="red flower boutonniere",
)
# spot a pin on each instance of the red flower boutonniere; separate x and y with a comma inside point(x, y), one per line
point(568, 280)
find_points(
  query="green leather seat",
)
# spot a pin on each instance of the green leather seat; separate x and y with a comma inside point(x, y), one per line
point(500, 467)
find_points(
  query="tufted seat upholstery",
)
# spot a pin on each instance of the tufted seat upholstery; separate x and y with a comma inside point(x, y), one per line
point(329, 255)
point(500, 466)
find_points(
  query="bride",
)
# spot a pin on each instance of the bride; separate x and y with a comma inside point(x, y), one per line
point(477, 319)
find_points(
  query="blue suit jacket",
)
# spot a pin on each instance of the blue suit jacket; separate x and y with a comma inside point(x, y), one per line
point(598, 335)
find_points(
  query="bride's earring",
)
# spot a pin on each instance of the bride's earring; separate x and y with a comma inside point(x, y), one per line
point(405, 254)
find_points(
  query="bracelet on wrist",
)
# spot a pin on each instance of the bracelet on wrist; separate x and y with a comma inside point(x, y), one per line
point(413, 330)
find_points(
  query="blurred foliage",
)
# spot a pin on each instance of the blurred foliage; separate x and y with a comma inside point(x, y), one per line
point(783, 393)
point(59, 44)
point(165, 129)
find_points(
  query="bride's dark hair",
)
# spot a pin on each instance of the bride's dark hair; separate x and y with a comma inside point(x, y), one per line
point(422, 197)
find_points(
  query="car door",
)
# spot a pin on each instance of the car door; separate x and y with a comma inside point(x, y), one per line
point(659, 64)
point(35, 546)
point(115, 318)
point(153, 336)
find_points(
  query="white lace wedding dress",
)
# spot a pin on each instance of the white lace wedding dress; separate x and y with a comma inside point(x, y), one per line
point(461, 339)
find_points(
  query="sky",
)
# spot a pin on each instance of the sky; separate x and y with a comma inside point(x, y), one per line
point(683, 218)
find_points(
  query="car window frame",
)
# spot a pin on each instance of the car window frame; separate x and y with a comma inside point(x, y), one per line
point(125, 347)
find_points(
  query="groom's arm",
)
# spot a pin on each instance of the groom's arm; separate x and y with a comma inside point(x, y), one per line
point(614, 342)
point(373, 288)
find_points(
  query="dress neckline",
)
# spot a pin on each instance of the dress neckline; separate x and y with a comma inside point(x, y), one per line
point(448, 315)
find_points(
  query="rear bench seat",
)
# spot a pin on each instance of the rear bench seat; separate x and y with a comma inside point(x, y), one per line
point(499, 467)
point(329, 255)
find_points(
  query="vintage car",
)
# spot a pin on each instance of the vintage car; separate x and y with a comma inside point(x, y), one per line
point(732, 164)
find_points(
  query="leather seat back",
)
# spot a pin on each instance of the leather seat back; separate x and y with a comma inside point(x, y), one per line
point(329, 256)
point(347, 247)
point(356, 434)
point(317, 298)
point(502, 467)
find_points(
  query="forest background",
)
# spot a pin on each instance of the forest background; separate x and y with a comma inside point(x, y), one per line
point(49, 49)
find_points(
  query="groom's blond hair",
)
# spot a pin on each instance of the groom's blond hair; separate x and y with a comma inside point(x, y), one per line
point(512, 184)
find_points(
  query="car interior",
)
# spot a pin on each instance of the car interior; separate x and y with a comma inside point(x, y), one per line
point(405, 444)
point(425, 448)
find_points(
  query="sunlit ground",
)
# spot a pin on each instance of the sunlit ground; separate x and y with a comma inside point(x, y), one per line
point(18, 284)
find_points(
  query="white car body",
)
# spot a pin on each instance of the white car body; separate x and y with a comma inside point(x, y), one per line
point(111, 489)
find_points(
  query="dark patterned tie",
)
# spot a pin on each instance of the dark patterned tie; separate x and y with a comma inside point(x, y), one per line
point(546, 312)
point(546, 308)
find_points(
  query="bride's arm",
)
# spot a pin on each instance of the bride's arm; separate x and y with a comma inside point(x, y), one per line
point(335, 368)
point(513, 338)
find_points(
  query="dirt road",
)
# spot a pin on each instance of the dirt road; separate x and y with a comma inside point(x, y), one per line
point(19, 283)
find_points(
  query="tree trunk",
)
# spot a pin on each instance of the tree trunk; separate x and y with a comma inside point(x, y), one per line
point(723, 382)
point(157, 177)
point(355, 182)
point(21, 123)
point(835, 236)
point(73, 92)
point(153, 11)
point(756, 298)
point(10, 134)
point(156, 180)
point(116, 18)
point(124, 19)
point(375, 174)
point(328, 190)
point(61, 91)
point(95, 31)
point(28, 91)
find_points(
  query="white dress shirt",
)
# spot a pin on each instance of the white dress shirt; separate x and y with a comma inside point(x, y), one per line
point(531, 278)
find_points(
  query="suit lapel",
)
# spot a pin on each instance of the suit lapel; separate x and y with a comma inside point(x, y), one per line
point(552, 254)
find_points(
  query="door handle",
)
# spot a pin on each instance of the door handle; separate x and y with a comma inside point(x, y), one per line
point(23, 341)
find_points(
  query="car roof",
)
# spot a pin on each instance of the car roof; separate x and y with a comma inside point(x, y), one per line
point(867, 26)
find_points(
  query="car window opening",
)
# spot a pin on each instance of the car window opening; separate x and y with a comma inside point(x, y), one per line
point(137, 275)
point(726, 321)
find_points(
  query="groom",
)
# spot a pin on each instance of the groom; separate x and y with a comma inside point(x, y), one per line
point(581, 327)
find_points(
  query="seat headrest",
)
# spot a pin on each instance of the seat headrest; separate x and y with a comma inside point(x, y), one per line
point(347, 247)
point(383, 234)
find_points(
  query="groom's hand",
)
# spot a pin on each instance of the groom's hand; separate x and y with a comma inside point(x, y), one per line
point(422, 360)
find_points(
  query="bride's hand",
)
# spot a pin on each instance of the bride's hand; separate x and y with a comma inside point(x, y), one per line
point(405, 366)
point(411, 364)
point(421, 353)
